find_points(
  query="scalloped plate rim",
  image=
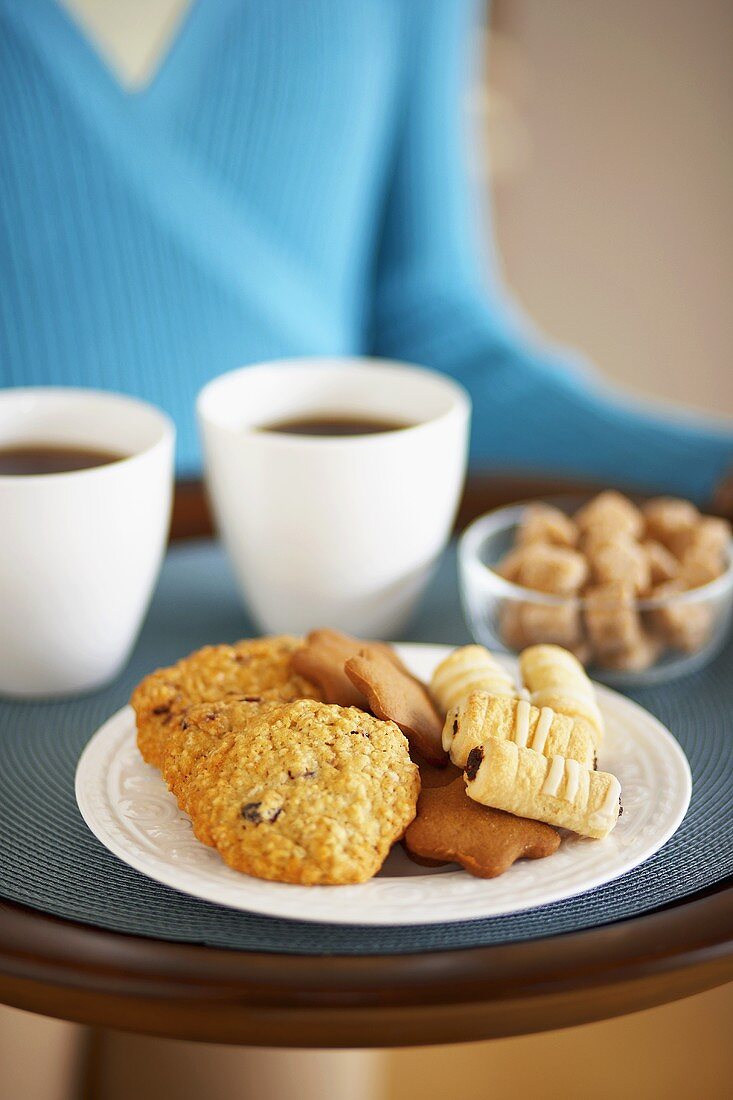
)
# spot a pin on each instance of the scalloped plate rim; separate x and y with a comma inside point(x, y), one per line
point(474, 898)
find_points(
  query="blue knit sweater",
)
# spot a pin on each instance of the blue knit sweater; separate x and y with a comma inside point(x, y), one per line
point(292, 182)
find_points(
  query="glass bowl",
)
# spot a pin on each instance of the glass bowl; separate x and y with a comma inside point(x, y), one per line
point(684, 631)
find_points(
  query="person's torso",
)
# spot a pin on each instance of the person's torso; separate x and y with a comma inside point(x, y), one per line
point(225, 213)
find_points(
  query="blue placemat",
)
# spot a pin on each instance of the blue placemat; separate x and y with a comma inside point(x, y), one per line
point(50, 861)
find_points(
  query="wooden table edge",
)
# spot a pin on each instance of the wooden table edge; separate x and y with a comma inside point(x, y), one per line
point(89, 975)
point(92, 976)
point(484, 490)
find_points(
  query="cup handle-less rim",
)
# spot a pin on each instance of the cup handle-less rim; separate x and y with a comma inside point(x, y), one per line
point(165, 436)
point(459, 406)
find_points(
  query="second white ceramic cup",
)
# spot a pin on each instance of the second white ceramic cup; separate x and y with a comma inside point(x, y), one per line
point(334, 531)
point(79, 551)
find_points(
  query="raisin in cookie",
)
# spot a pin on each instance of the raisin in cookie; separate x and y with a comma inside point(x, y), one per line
point(305, 792)
point(195, 734)
point(258, 668)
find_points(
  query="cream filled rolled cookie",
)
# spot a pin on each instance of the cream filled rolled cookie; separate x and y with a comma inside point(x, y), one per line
point(482, 716)
point(555, 678)
point(470, 668)
point(557, 791)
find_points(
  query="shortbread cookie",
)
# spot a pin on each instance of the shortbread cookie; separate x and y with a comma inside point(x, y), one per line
point(259, 668)
point(322, 658)
point(450, 828)
point(612, 510)
point(469, 668)
point(482, 715)
point(553, 569)
point(555, 678)
point(305, 792)
point(395, 695)
point(560, 792)
point(546, 524)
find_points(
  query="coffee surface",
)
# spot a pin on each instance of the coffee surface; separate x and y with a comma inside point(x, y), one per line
point(51, 458)
point(335, 424)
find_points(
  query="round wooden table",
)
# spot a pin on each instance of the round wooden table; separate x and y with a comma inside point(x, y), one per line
point(75, 972)
point(59, 968)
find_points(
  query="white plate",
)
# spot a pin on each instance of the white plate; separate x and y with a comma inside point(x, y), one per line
point(128, 807)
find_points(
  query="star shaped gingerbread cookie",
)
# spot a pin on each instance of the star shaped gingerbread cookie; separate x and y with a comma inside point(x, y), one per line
point(451, 828)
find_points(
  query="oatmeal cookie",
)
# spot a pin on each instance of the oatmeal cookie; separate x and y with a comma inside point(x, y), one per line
point(305, 792)
point(196, 733)
point(258, 668)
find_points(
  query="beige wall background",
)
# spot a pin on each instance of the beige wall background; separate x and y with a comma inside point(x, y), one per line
point(611, 171)
point(612, 144)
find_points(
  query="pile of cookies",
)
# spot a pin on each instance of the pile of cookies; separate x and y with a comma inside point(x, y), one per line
point(602, 562)
point(528, 757)
point(283, 783)
point(305, 761)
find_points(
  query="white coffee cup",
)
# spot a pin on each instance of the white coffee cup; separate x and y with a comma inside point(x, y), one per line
point(79, 551)
point(338, 531)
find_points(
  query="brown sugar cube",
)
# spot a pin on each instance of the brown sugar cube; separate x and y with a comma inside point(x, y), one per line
point(714, 534)
point(663, 565)
point(511, 627)
point(611, 618)
point(700, 566)
point(510, 565)
point(684, 626)
point(553, 569)
point(636, 658)
point(601, 534)
point(543, 523)
point(710, 534)
point(582, 651)
point(623, 561)
point(545, 623)
point(524, 624)
point(611, 509)
point(667, 519)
